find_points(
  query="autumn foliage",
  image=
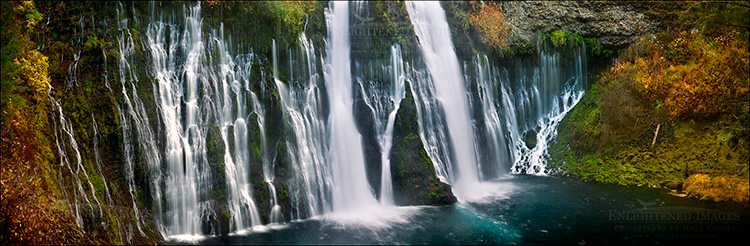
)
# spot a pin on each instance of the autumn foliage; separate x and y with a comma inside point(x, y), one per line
point(30, 212)
point(490, 24)
point(717, 189)
point(692, 76)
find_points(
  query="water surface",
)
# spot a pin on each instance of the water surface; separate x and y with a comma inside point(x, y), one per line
point(524, 210)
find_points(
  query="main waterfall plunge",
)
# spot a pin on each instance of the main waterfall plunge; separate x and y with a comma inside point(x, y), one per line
point(230, 135)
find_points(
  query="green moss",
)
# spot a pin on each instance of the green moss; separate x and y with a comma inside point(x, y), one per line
point(561, 41)
point(683, 148)
point(518, 49)
point(284, 191)
point(219, 194)
point(277, 20)
point(112, 221)
point(260, 187)
point(427, 163)
point(92, 42)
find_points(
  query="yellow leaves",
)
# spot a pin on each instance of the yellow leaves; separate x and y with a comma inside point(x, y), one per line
point(718, 189)
point(28, 10)
point(693, 78)
point(25, 6)
point(490, 24)
point(34, 71)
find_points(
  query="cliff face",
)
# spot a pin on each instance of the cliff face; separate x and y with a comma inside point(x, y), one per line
point(613, 23)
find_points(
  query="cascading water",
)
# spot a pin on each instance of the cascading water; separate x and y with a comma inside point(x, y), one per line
point(134, 112)
point(231, 78)
point(538, 102)
point(496, 149)
point(72, 78)
point(200, 89)
point(275, 216)
point(303, 107)
point(384, 100)
point(99, 164)
point(351, 190)
point(64, 139)
point(431, 26)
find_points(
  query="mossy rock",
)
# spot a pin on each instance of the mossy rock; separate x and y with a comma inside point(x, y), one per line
point(413, 173)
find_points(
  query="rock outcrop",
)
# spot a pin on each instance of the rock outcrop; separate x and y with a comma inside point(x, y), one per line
point(614, 23)
point(414, 178)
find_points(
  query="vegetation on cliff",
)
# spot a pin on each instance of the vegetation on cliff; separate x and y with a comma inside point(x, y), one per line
point(675, 105)
point(257, 24)
point(30, 212)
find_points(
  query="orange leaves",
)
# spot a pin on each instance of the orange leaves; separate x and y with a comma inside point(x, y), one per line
point(717, 189)
point(694, 78)
point(491, 27)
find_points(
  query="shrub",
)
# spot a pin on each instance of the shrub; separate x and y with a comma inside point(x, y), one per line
point(491, 27)
point(717, 189)
point(694, 77)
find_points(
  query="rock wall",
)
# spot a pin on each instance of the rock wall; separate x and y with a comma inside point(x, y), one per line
point(614, 23)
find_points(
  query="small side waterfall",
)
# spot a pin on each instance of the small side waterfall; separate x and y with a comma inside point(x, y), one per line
point(524, 101)
point(384, 100)
point(65, 142)
point(539, 101)
point(99, 164)
point(268, 170)
point(72, 78)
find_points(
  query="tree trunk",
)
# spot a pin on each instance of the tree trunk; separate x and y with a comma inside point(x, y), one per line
point(655, 134)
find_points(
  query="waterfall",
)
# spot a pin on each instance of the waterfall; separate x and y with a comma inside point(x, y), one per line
point(99, 164)
point(64, 139)
point(268, 170)
point(303, 107)
point(196, 78)
point(386, 137)
point(228, 86)
point(72, 78)
point(496, 151)
point(201, 120)
point(384, 100)
point(351, 190)
point(431, 26)
point(98, 161)
point(538, 101)
point(134, 112)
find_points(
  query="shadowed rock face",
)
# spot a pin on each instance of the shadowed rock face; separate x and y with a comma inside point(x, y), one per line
point(366, 126)
point(614, 23)
point(414, 178)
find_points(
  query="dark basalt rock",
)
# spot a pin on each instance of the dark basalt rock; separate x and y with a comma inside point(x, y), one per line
point(530, 139)
point(414, 178)
point(613, 23)
point(365, 121)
